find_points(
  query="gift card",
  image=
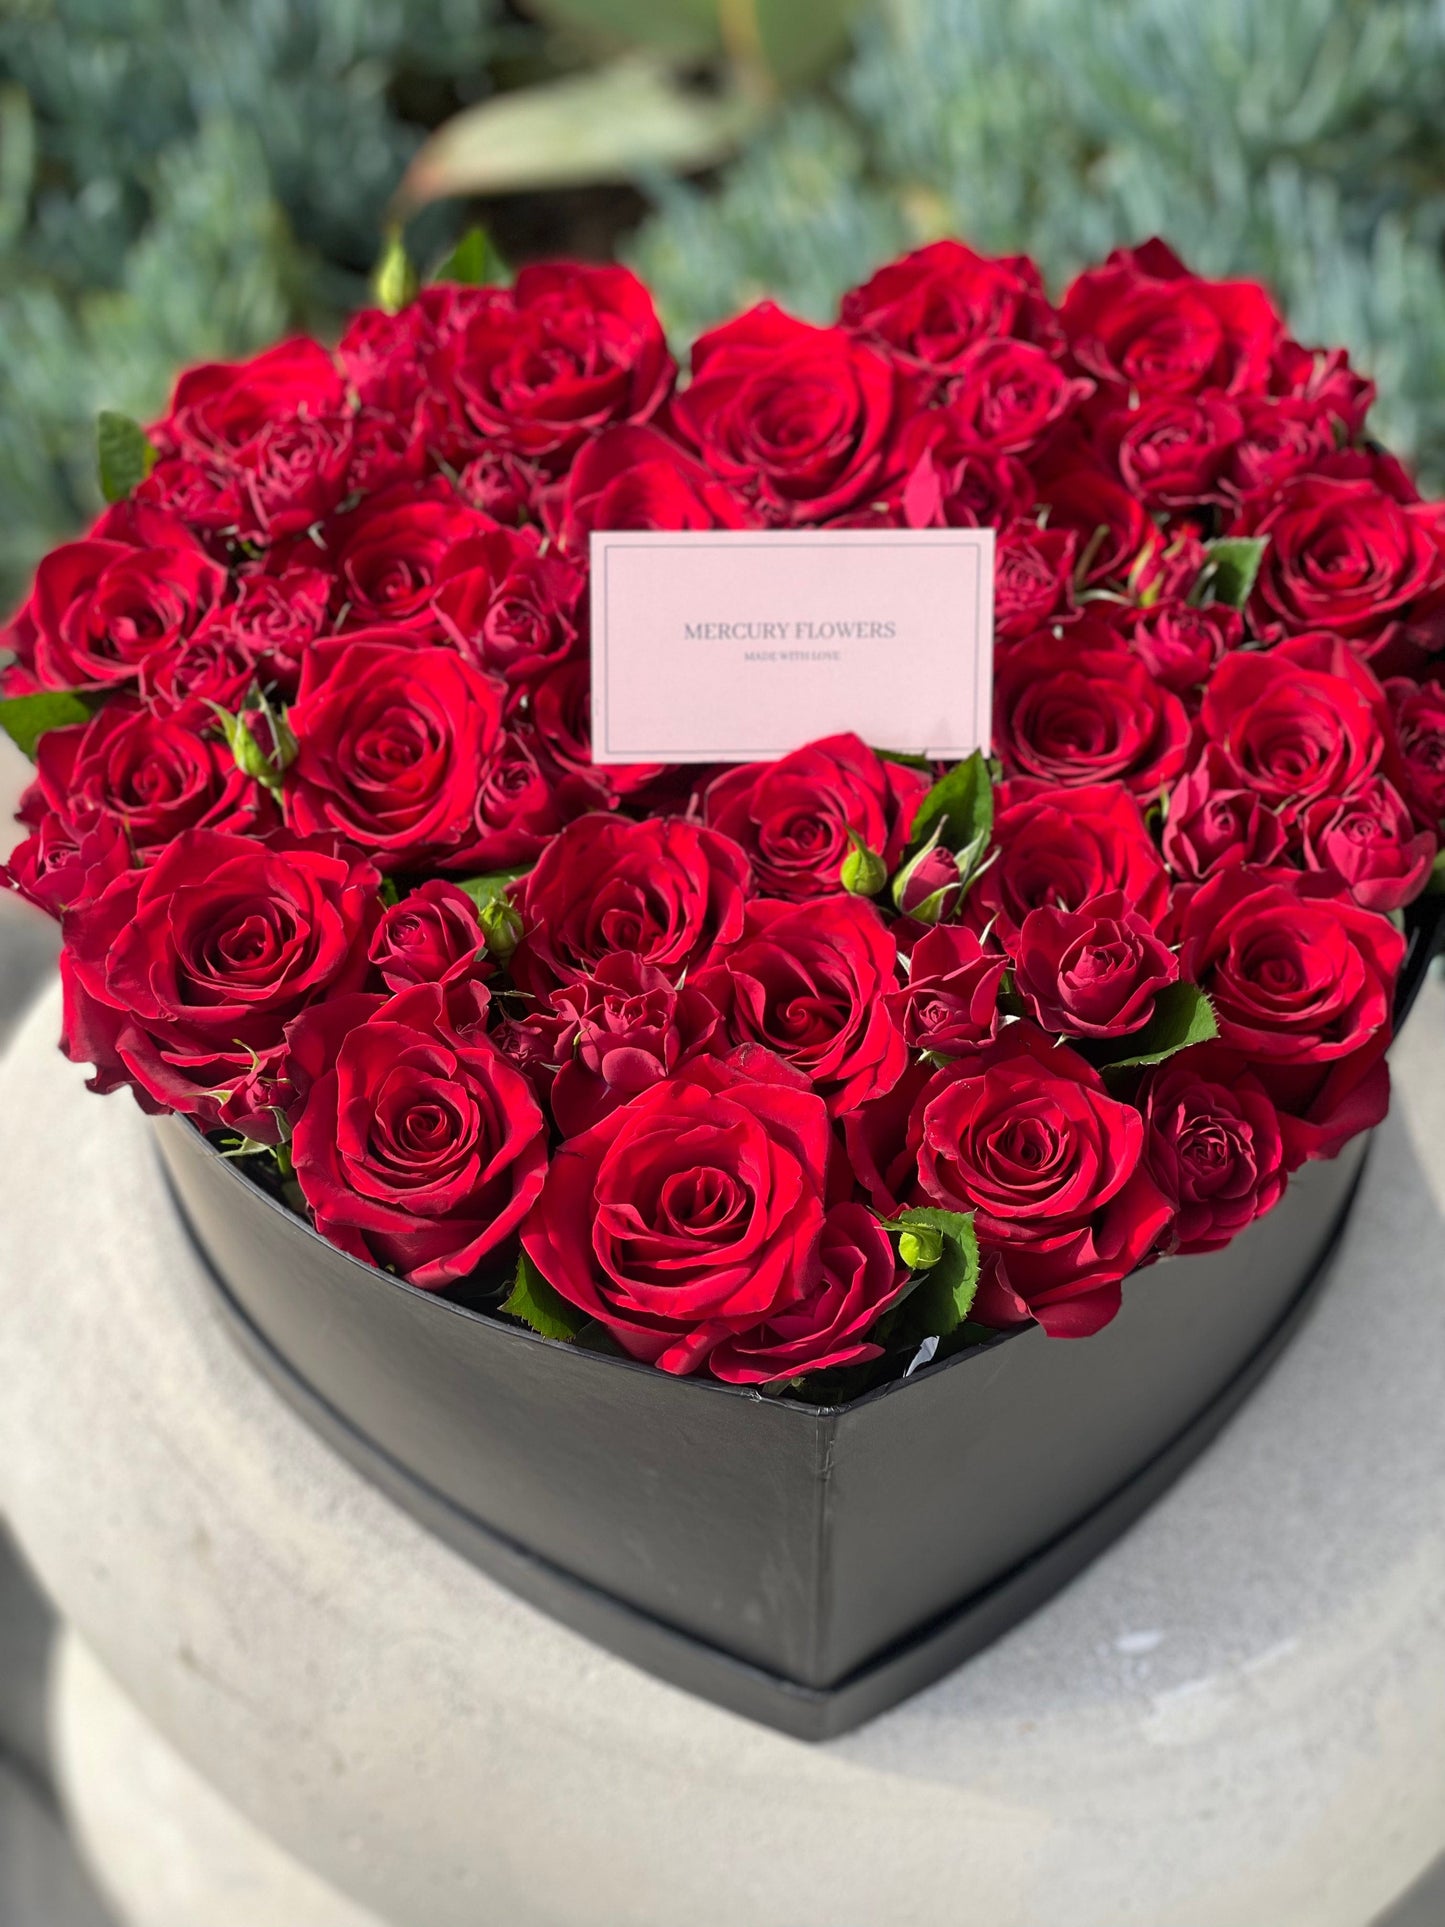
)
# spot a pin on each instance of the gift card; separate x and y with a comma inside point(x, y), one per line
point(728, 646)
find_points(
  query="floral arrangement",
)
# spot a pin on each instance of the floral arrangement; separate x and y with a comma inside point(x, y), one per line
point(788, 1074)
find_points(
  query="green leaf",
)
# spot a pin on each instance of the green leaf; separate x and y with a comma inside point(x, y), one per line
point(536, 1304)
point(612, 123)
point(960, 805)
point(394, 280)
point(1230, 570)
point(1183, 1015)
point(489, 889)
point(940, 1301)
point(25, 719)
point(473, 262)
point(124, 454)
point(1435, 884)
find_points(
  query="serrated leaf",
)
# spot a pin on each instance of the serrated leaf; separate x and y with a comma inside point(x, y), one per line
point(538, 1305)
point(488, 889)
point(25, 719)
point(1230, 569)
point(1183, 1015)
point(473, 262)
point(960, 805)
point(613, 123)
point(940, 1301)
point(124, 454)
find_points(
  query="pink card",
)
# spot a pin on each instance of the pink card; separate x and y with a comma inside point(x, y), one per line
point(737, 646)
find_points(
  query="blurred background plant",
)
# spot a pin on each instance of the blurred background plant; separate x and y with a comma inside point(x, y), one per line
point(182, 179)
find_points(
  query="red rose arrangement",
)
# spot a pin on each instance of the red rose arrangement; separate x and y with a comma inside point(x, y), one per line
point(767, 1072)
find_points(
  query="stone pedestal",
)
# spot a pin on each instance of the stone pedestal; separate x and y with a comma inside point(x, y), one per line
point(1235, 1719)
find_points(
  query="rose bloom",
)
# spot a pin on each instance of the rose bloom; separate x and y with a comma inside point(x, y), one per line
point(688, 1215)
point(418, 1147)
point(1143, 322)
point(1062, 847)
point(390, 551)
point(135, 588)
point(1071, 710)
point(431, 936)
point(1008, 395)
point(1279, 438)
point(1094, 971)
point(1368, 841)
point(66, 862)
point(392, 740)
point(1171, 451)
point(808, 981)
point(618, 1032)
point(1117, 538)
point(1303, 985)
point(1033, 578)
point(219, 410)
point(669, 890)
point(930, 308)
point(509, 607)
point(796, 818)
point(948, 481)
point(276, 616)
point(1024, 1135)
point(950, 1001)
point(181, 979)
point(214, 667)
point(795, 419)
point(1212, 1144)
point(1181, 646)
point(1216, 819)
point(636, 478)
point(563, 353)
point(1418, 713)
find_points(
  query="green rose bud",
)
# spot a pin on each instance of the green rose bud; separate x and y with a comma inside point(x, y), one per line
point(920, 1246)
point(864, 872)
point(501, 926)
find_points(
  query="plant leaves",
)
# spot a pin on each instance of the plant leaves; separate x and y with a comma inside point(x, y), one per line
point(124, 454)
point(1230, 570)
point(25, 719)
point(940, 1301)
point(536, 1304)
point(1183, 1015)
point(610, 124)
point(474, 262)
point(961, 803)
point(488, 889)
point(682, 30)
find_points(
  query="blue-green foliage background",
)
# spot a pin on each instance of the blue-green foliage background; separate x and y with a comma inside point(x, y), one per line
point(182, 179)
point(1299, 140)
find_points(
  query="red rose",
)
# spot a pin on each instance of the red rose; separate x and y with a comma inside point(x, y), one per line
point(564, 352)
point(808, 981)
point(1418, 711)
point(65, 863)
point(948, 481)
point(1071, 712)
point(1116, 537)
point(1216, 819)
point(1367, 841)
point(1340, 554)
point(508, 606)
point(1170, 451)
point(390, 553)
point(690, 1214)
point(1143, 322)
point(929, 308)
point(422, 1149)
point(1325, 381)
point(618, 1032)
point(1008, 395)
point(1277, 439)
point(1094, 971)
point(1026, 1137)
point(950, 1001)
point(215, 669)
point(667, 889)
point(562, 712)
point(1033, 578)
point(1212, 1144)
point(857, 1278)
point(797, 818)
point(517, 808)
point(181, 979)
point(391, 359)
point(218, 411)
point(635, 478)
point(1063, 847)
point(276, 617)
point(156, 777)
point(1298, 722)
point(136, 587)
point(794, 418)
point(1181, 646)
point(392, 739)
point(431, 936)
point(1303, 984)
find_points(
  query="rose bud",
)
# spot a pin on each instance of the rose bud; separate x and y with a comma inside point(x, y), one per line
point(1369, 841)
point(864, 872)
point(1094, 971)
point(1212, 1144)
point(950, 1001)
point(502, 927)
point(431, 937)
point(619, 1031)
